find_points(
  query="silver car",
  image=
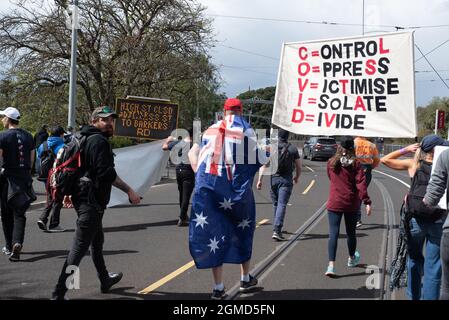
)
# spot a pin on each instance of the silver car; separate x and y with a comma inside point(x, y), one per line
point(319, 147)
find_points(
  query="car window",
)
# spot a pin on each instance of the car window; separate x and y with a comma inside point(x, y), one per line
point(326, 141)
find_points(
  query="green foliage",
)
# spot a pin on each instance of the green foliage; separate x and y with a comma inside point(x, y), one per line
point(264, 111)
point(121, 142)
point(426, 116)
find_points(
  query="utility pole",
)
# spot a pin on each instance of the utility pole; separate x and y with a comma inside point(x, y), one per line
point(436, 122)
point(197, 103)
point(73, 68)
point(363, 17)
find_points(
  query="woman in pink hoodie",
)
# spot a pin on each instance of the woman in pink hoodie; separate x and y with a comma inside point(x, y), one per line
point(347, 191)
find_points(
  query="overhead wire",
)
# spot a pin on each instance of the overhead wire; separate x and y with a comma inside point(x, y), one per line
point(249, 52)
point(437, 47)
point(327, 22)
point(430, 64)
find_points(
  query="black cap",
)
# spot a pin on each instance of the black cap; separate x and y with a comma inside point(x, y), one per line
point(283, 135)
point(57, 131)
point(347, 142)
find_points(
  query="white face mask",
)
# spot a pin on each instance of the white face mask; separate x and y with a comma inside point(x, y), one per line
point(346, 162)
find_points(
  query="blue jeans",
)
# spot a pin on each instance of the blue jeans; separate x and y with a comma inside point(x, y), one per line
point(444, 295)
point(334, 232)
point(429, 266)
point(281, 189)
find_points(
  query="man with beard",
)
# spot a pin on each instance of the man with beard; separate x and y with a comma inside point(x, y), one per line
point(91, 198)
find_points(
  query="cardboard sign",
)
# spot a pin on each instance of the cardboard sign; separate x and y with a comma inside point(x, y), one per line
point(145, 119)
point(351, 86)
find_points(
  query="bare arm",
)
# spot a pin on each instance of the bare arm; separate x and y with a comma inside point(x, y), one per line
point(193, 156)
point(261, 174)
point(33, 154)
point(391, 160)
point(298, 170)
point(134, 198)
point(165, 145)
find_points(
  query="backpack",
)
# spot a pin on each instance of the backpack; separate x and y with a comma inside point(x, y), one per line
point(66, 172)
point(414, 200)
point(47, 160)
point(284, 161)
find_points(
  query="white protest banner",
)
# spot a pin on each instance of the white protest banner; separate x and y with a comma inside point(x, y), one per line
point(140, 167)
point(437, 153)
point(349, 86)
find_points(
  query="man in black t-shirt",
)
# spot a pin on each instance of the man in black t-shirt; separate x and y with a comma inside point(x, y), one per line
point(185, 176)
point(17, 149)
point(282, 181)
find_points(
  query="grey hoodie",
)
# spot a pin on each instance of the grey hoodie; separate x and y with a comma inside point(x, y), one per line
point(438, 184)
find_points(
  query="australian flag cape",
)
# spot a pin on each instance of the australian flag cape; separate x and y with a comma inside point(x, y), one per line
point(223, 216)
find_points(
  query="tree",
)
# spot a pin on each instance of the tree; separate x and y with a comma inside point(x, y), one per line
point(426, 116)
point(153, 48)
point(262, 112)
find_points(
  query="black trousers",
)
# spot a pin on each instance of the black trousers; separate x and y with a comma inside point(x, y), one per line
point(186, 184)
point(89, 233)
point(53, 207)
point(13, 219)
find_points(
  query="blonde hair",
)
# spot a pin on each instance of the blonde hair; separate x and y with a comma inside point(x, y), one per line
point(421, 155)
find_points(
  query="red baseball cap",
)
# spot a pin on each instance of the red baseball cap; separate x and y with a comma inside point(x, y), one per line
point(233, 104)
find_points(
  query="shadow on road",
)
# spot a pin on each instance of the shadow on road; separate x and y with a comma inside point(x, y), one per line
point(124, 206)
point(142, 226)
point(312, 236)
point(62, 254)
point(372, 226)
point(127, 293)
point(314, 294)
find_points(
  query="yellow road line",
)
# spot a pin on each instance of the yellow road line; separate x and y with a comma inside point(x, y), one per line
point(262, 222)
point(309, 187)
point(168, 278)
point(177, 272)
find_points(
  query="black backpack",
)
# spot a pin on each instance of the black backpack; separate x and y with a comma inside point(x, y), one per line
point(415, 196)
point(284, 161)
point(65, 175)
point(46, 160)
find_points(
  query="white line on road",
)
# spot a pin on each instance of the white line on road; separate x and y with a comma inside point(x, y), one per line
point(399, 180)
point(310, 169)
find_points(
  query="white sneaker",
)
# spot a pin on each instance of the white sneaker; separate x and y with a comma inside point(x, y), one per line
point(56, 229)
point(359, 224)
point(6, 252)
point(42, 225)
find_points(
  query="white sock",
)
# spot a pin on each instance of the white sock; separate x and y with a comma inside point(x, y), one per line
point(219, 287)
point(245, 277)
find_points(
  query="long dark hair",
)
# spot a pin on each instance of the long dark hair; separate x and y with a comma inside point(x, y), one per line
point(335, 161)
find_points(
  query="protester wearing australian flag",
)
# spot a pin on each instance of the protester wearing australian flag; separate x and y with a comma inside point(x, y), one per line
point(223, 217)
